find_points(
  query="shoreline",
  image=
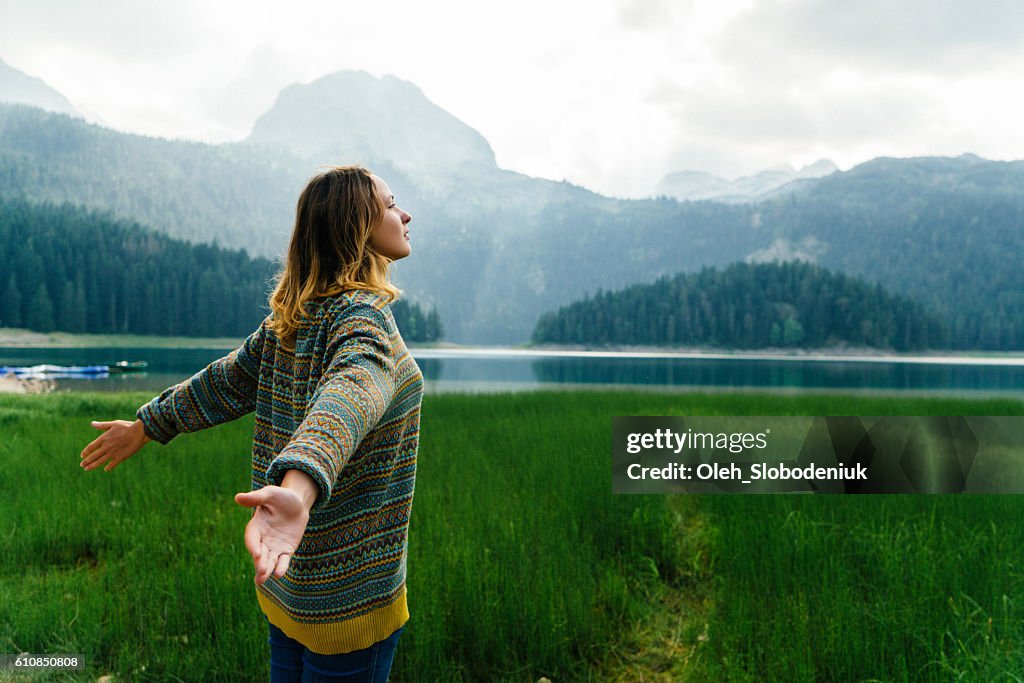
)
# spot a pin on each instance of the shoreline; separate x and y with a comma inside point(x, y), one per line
point(9, 384)
point(27, 339)
point(851, 355)
point(828, 351)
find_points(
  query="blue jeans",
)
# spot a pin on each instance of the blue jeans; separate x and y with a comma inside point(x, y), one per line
point(292, 662)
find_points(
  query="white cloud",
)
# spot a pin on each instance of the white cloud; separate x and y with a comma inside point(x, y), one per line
point(610, 94)
point(924, 36)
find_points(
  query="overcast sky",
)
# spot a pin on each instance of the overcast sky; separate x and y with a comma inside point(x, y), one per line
point(608, 94)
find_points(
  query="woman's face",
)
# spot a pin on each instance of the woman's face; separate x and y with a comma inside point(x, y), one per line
point(390, 237)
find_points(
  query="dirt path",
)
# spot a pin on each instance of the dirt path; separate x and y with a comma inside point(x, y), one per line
point(662, 646)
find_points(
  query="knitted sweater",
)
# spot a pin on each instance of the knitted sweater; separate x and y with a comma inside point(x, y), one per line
point(344, 407)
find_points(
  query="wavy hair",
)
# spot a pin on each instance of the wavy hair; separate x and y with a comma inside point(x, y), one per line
point(330, 249)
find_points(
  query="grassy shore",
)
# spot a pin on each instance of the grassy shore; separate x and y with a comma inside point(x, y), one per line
point(11, 336)
point(521, 563)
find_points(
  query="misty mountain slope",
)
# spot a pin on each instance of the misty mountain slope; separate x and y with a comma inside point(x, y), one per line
point(17, 87)
point(909, 179)
point(224, 194)
point(947, 232)
point(570, 250)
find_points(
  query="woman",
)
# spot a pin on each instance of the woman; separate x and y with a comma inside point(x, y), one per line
point(337, 401)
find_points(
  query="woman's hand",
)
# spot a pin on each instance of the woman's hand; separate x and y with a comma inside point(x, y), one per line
point(276, 527)
point(119, 441)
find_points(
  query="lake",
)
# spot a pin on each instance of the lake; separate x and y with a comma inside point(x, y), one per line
point(477, 369)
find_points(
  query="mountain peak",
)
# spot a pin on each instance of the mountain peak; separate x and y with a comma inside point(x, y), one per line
point(699, 185)
point(355, 117)
point(819, 168)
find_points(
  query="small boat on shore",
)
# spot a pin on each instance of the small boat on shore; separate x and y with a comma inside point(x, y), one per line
point(128, 366)
point(47, 371)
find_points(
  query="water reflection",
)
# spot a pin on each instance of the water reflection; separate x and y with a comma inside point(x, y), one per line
point(484, 370)
point(777, 373)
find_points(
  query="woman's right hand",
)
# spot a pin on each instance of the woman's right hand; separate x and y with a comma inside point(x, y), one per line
point(119, 441)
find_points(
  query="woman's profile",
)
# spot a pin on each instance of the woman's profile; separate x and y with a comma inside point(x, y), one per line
point(336, 396)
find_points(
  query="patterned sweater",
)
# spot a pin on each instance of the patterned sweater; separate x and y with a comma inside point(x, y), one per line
point(344, 407)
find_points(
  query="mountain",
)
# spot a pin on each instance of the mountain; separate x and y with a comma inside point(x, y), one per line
point(493, 249)
point(20, 88)
point(695, 185)
point(351, 116)
point(243, 196)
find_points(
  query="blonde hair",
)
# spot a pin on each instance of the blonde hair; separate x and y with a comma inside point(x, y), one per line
point(330, 249)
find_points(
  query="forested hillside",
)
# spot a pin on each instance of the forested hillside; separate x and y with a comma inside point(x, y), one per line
point(88, 272)
point(748, 306)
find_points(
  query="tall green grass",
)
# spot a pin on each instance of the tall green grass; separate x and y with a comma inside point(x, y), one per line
point(521, 562)
point(870, 588)
point(866, 588)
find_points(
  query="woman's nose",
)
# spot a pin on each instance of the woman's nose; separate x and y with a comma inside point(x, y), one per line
point(406, 217)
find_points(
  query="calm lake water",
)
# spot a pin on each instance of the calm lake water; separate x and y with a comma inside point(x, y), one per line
point(468, 370)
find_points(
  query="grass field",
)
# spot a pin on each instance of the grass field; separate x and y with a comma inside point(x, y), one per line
point(522, 563)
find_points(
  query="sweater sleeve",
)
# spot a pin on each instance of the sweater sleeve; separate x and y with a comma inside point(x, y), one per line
point(353, 394)
point(223, 391)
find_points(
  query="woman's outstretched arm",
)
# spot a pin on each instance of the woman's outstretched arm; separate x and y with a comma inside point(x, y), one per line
point(223, 391)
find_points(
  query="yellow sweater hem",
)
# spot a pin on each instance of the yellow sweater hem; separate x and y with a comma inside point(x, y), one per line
point(353, 634)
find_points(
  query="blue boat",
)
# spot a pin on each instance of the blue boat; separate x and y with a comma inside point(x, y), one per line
point(55, 371)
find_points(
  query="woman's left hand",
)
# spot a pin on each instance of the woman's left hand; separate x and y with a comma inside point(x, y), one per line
point(119, 441)
point(276, 527)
